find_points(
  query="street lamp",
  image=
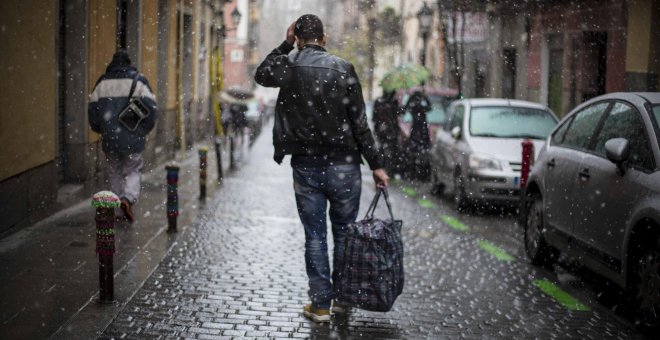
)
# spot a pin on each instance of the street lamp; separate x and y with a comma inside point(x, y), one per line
point(425, 19)
point(235, 20)
point(235, 17)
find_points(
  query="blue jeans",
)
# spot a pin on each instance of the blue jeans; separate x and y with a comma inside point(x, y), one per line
point(315, 187)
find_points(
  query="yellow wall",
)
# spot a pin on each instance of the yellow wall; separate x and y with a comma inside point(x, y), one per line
point(197, 16)
point(172, 30)
point(655, 41)
point(639, 35)
point(102, 41)
point(28, 85)
point(149, 42)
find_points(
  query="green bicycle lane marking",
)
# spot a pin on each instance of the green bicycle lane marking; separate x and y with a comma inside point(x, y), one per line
point(547, 287)
point(560, 296)
point(421, 201)
point(409, 191)
point(425, 203)
point(495, 251)
point(454, 223)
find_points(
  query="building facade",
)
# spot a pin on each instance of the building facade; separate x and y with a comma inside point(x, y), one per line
point(557, 52)
point(52, 55)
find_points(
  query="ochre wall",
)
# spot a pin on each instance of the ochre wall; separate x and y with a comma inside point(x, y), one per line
point(28, 89)
point(639, 35)
point(149, 42)
point(171, 52)
point(102, 42)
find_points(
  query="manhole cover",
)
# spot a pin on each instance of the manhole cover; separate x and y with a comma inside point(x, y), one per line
point(78, 244)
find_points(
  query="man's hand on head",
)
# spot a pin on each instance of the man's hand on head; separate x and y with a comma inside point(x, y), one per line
point(290, 36)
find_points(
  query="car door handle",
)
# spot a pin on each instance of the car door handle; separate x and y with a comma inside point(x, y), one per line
point(584, 174)
point(551, 163)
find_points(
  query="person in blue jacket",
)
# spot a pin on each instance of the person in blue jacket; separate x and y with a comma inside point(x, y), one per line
point(122, 145)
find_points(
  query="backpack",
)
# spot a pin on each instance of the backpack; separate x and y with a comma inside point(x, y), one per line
point(371, 270)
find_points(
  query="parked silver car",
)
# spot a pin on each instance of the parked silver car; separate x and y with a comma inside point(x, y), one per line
point(478, 153)
point(594, 194)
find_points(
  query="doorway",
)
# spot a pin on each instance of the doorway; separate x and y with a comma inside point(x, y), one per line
point(555, 66)
point(509, 73)
point(594, 64)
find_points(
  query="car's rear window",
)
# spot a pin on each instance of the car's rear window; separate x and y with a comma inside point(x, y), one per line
point(511, 122)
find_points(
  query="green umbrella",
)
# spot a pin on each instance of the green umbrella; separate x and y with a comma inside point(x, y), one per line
point(405, 76)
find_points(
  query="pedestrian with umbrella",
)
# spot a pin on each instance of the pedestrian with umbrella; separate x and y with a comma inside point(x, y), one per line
point(419, 142)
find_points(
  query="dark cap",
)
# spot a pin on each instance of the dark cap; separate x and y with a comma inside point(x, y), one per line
point(309, 27)
point(121, 58)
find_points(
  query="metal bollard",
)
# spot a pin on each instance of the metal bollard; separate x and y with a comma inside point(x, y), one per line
point(527, 161)
point(172, 196)
point(105, 203)
point(203, 152)
point(218, 155)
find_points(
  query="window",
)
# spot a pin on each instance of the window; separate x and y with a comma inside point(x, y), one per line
point(583, 126)
point(236, 56)
point(656, 115)
point(457, 118)
point(624, 121)
point(558, 136)
point(511, 122)
point(437, 115)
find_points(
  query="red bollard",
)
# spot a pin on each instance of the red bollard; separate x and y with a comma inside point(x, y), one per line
point(527, 161)
point(105, 203)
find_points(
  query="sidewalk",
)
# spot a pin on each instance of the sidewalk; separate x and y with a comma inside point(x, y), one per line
point(49, 282)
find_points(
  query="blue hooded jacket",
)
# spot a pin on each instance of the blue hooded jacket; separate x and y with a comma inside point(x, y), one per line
point(110, 97)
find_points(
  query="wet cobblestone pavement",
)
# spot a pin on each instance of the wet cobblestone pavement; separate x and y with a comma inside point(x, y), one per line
point(239, 273)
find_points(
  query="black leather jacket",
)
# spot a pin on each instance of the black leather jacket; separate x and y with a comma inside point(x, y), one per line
point(320, 109)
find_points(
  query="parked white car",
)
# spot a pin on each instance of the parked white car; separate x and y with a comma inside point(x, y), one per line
point(478, 153)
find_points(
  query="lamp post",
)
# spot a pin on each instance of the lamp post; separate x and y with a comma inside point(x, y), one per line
point(424, 18)
point(235, 20)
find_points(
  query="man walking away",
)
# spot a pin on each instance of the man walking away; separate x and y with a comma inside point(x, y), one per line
point(122, 147)
point(320, 120)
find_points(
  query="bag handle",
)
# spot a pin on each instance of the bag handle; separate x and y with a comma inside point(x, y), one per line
point(374, 203)
point(133, 85)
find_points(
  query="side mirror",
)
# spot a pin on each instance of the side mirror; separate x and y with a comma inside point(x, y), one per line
point(618, 152)
point(456, 132)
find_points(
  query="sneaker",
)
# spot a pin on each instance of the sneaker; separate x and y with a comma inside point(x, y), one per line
point(126, 209)
point(339, 308)
point(316, 314)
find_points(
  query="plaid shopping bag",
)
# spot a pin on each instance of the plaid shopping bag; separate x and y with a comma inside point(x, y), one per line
point(371, 271)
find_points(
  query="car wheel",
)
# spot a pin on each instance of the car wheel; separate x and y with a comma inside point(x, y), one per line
point(460, 198)
point(538, 251)
point(646, 286)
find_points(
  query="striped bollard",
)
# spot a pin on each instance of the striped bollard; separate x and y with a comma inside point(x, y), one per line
point(105, 203)
point(527, 161)
point(172, 196)
point(203, 153)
